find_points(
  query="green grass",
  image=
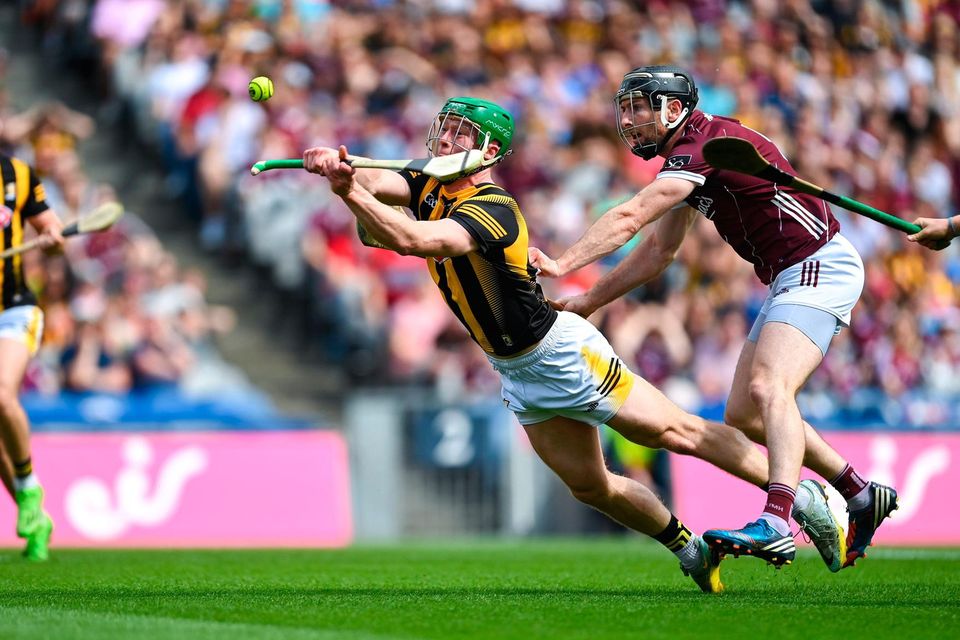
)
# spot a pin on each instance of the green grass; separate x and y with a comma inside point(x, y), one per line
point(564, 589)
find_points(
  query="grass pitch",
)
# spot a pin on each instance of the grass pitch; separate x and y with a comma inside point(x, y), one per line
point(558, 589)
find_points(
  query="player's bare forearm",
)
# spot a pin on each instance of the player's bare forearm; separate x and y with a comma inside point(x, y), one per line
point(393, 229)
point(385, 224)
point(643, 264)
point(613, 230)
point(49, 229)
point(621, 223)
point(386, 186)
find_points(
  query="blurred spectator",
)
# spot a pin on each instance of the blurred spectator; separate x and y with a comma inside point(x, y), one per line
point(92, 362)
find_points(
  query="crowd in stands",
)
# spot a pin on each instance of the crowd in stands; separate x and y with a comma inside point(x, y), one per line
point(861, 95)
point(120, 315)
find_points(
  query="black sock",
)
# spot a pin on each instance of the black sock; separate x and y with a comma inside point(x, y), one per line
point(675, 537)
point(23, 469)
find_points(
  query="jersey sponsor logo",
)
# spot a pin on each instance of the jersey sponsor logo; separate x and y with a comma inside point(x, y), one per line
point(6, 215)
point(781, 291)
point(705, 206)
point(592, 406)
point(430, 200)
point(675, 162)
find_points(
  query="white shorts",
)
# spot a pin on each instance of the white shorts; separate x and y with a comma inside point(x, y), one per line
point(23, 324)
point(573, 373)
point(831, 280)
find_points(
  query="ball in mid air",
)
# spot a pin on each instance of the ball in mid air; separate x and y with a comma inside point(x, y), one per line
point(260, 88)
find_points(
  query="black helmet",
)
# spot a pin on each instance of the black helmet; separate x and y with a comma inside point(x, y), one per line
point(656, 85)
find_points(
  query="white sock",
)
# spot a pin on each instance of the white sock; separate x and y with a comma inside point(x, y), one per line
point(861, 500)
point(29, 482)
point(690, 554)
point(779, 524)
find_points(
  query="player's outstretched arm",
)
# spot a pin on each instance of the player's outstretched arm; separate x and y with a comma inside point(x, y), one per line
point(644, 263)
point(936, 233)
point(618, 225)
point(390, 227)
point(386, 186)
point(49, 230)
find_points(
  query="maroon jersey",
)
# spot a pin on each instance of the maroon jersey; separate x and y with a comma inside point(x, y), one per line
point(773, 227)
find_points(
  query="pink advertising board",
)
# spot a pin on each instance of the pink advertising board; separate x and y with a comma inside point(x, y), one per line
point(217, 489)
point(923, 467)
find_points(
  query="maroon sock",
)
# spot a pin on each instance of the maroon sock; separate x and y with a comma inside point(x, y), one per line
point(780, 499)
point(848, 483)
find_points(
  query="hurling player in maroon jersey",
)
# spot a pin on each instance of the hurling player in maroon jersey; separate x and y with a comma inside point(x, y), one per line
point(815, 278)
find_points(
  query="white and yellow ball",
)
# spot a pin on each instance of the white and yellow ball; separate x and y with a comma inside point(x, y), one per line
point(260, 88)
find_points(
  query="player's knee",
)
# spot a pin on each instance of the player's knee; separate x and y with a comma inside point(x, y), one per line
point(764, 390)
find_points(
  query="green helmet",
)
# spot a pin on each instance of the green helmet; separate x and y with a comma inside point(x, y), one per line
point(488, 118)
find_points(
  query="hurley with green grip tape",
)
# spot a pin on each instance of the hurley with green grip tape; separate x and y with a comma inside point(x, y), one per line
point(737, 154)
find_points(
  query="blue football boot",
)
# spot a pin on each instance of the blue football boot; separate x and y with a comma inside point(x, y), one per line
point(755, 539)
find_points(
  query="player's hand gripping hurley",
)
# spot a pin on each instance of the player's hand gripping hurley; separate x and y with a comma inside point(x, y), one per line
point(443, 168)
point(737, 154)
point(102, 217)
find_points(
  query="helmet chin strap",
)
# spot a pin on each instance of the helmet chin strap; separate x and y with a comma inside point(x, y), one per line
point(483, 148)
point(672, 127)
point(649, 150)
point(663, 114)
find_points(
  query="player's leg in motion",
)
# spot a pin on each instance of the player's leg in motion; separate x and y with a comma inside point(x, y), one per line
point(33, 523)
point(572, 450)
point(6, 470)
point(774, 382)
point(867, 502)
point(650, 419)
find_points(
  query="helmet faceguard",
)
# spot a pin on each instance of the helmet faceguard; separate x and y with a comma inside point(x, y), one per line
point(470, 123)
point(453, 133)
point(645, 91)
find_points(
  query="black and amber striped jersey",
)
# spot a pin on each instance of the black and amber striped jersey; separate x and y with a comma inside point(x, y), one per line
point(493, 291)
point(23, 197)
